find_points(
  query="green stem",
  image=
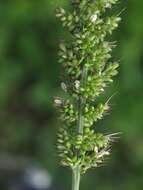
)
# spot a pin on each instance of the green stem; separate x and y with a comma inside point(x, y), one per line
point(76, 178)
point(82, 101)
point(76, 170)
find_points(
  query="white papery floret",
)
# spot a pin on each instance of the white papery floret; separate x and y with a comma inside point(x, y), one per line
point(94, 17)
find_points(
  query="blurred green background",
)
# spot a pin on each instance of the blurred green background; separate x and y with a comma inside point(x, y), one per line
point(30, 77)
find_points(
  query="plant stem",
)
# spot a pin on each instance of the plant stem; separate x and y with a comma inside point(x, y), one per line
point(76, 170)
point(76, 178)
point(82, 101)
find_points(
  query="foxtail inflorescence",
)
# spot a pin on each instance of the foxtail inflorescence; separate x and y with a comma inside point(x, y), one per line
point(88, 69)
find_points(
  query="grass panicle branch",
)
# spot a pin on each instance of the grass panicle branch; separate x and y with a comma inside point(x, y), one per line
point(88, 70)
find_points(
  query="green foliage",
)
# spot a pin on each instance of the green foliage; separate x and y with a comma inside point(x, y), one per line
point(88, 69)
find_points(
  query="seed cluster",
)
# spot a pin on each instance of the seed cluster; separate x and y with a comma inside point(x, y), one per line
point(88, 69)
